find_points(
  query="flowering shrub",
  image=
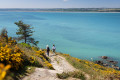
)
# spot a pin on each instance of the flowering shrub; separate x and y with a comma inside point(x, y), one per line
point(42, 55)
point(3, 70)
point(11, 41)
point(66, 54)
point(11, 54)
point(92, 67)
point(32, 59)
point(40, 52)
point(47, 64)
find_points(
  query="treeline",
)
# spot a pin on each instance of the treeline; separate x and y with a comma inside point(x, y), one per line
point(63, 9)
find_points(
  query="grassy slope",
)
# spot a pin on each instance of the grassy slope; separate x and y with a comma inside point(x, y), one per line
point(28, 67)
point(39, 59)
point(97, 72)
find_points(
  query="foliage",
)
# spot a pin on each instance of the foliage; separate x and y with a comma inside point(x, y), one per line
point(19, 56)
point(63, 75)
point(3, 34)
point(44, 58)
point(34, 48)
point(25, 45)
point(3, 70)
point(95, 70)
point(25, 33)
point(11, 55)
point(75, 74)
point(30, 69)
point(35, 57)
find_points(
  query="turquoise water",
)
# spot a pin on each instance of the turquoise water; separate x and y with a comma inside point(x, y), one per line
point(82, 35)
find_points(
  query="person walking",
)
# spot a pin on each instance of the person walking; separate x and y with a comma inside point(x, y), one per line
point(53, 49)
point(48, 49)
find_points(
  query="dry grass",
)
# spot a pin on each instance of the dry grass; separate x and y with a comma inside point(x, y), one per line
point(28, 53)
point(75, 74)
point(28, 67)
point(90, 68)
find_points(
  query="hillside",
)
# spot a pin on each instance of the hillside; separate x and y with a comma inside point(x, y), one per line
point(28, 62)
point(60, 65)
point(20, 57)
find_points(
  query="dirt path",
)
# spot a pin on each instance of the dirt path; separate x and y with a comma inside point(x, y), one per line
point(60, 65)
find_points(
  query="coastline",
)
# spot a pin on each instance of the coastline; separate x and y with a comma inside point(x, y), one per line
point(60, 11)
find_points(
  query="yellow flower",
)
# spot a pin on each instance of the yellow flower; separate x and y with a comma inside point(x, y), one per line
point(7, 67)
point(3, 70)
point(3, 74)
point(1, 66)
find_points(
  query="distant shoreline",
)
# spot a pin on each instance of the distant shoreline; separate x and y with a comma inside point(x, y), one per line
point(78, 10)
point(60, 11)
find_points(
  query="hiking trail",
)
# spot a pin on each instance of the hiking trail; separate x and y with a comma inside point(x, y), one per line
point(59, 64)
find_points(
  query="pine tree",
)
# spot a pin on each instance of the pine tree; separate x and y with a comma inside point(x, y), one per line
point(4, 35)
point(25, 32)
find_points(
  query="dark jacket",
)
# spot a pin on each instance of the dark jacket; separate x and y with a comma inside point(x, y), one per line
point(48, 49)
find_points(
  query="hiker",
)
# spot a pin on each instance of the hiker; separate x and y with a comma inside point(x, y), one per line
point(48, 49)
point(53, 49)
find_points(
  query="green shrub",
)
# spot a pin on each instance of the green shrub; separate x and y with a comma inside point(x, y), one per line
point(25, 45)
point(63, 75)
point(75, 74)
point(35, 48)
point(78, 75)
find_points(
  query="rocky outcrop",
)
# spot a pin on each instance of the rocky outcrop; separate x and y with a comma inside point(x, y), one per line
point(104, 57)
point(113, 62)
point(99, 62)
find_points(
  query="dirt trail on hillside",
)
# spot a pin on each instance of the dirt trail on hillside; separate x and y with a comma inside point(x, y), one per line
point(60, 65)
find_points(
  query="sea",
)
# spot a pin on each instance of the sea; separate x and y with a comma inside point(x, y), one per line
point(82, 35)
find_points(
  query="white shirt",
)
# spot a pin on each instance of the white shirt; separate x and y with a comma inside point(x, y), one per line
point(53, 47)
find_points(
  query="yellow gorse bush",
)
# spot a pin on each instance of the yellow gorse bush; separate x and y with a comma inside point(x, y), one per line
point(10, 54)
point(40, 52)
point(3, 70)
point(42, 55)
point(11, 41)
point(32, 59)
point(48, 65)
point(107, 71)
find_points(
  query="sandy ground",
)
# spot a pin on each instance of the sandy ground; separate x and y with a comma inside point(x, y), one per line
point(60, 65)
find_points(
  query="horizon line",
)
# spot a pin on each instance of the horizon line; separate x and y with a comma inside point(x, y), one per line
point(45, 8)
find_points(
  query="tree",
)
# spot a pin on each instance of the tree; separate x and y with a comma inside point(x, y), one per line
point(25, 32)
point(4, 35)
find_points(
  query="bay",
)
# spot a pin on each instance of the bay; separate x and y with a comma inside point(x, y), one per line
point(82, 35)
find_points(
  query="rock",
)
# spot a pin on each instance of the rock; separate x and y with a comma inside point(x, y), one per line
point(104, 57)
point(105, 64)
point(113, 62)
point(116, 67)
point(99, 62)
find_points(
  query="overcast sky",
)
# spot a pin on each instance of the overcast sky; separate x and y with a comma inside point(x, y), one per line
point(59, 3)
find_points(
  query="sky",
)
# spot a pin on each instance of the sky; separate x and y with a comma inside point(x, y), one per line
point(59, 3)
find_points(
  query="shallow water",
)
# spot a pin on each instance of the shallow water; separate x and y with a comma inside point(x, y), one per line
point(82, 35)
